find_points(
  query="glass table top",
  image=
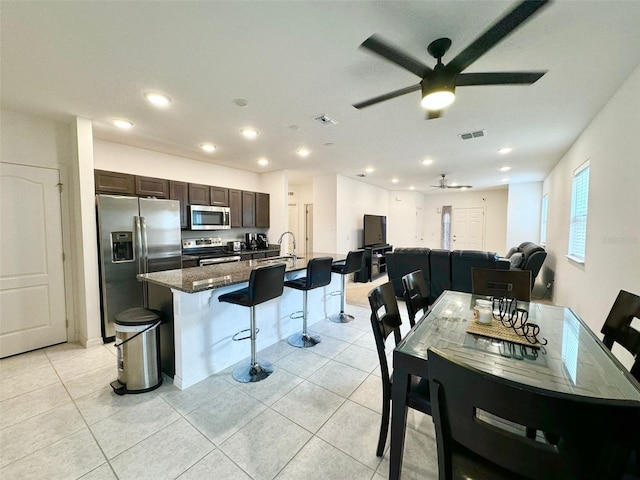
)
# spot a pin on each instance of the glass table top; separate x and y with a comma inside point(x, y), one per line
point(573, 361)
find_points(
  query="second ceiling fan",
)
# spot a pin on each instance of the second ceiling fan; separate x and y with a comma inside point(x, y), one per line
point(438, 84)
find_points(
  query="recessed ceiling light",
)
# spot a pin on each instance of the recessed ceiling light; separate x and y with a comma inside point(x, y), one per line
point(506, 168)
point(505, 150)
point(122, 123)
point(158, 99)
point(412, 187)
point(505, 179)
point(241, 102)
point(208, 147)
point(394, 180)
point(303, 152)
point(427, 161)
point(369, 169)
point(249, 132)
point(263, 162)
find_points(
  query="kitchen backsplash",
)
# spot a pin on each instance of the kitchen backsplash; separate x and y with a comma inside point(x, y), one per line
point(226, 235)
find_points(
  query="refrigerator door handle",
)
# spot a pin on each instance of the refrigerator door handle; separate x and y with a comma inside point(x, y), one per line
point(145, 246)
point(139, 244)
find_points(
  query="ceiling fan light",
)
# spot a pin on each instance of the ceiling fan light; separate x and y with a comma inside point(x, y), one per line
point(437, 98)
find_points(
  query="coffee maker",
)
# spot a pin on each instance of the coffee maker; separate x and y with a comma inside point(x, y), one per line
point(261, 238)
point(251, 241)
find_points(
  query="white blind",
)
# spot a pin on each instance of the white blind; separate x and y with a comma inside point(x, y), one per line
point(543, 220)
point(579, 201)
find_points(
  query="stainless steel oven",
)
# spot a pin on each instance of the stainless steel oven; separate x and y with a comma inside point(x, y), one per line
point(205, 217)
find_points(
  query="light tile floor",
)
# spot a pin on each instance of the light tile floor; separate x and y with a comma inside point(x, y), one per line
point(317, 416)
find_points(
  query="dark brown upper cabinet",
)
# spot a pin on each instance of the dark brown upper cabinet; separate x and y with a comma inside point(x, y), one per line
point(262, 210)
point(114, 182)
point(199, 194)
point(219, 196)
point(235, 205)
point(180, 191)
point(248, 209)
point(152, 187)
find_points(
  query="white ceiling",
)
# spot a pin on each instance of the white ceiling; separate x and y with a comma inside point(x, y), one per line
point(293, 61)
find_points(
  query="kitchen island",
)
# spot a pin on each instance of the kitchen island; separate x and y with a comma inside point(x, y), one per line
point(203, 327)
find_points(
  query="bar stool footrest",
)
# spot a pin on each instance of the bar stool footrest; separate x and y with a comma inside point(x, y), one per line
point(235, 339)
point(297, 315)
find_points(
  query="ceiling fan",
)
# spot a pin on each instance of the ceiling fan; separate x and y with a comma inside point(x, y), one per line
point(444, 184)
point(438, 84)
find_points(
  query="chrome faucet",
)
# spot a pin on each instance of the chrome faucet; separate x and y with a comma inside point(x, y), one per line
point(295, 257)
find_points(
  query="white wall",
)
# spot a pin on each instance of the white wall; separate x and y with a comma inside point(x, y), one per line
point(325, 213)
point(401, 222)
point(523, 213)
point(275, 184)
point(494, 203)
point(300, 195)
point(612, 260)
point(138, 161)
point(354, 199)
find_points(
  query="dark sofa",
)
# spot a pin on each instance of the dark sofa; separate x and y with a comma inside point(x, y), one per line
point(527, 256)
point(442, 269)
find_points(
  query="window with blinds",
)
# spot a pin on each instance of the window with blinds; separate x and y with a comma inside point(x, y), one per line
point(543, 220)
point(579, 202)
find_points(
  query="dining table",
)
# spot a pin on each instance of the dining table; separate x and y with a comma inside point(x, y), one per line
point(569, 357)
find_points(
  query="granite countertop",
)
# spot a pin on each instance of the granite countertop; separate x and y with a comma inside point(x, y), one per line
point(209, 277)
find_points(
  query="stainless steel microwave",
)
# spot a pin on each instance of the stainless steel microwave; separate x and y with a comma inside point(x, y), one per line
point(205, 217)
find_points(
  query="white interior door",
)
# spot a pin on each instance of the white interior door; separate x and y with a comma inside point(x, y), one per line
point(308, 227)
point(293, 226)
point(468, 229)
point(32, 297)
point(419, 227)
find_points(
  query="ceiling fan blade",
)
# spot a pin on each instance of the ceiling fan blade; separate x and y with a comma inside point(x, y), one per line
point(387, 96)
point(391, 53)
point(498, 78)
point(459, 186)
point(431, 114)
point(495, 33)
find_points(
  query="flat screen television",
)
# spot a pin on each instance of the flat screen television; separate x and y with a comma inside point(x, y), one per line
point(375, 230)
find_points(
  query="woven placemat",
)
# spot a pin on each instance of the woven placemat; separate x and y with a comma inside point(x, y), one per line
point(498, 331)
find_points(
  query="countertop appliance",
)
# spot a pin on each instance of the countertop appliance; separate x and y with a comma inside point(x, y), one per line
point(234, 246)
point(206, 217)
point(261, 239)
point(136, 235)
point(251, 241)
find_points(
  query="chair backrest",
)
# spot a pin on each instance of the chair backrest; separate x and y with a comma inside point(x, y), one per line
point(319, 272)
point(617, 327)
point(385, 320)
point(266, 283)
point(353, 262)
point(502, 283)
point(439, 272)
point(406, 260)
point(595, 435)
point(416, 294)
point(462, 261)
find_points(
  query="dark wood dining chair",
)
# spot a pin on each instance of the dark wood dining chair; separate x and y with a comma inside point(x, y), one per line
point(595, 435)
point(416, 294)
point(501, 283)
point(617, 327)
point(385, 321)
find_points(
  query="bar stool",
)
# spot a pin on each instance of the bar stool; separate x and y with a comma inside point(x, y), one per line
point(352, 264)
point(318, 275)
point(265, 283)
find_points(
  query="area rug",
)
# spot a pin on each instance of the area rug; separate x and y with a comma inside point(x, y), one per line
point(357, 293)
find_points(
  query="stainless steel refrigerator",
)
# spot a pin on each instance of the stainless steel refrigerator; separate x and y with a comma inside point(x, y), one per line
point(136, 235)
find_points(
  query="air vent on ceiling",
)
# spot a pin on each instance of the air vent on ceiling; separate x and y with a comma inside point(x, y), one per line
point(324, 120)
point(470, 135)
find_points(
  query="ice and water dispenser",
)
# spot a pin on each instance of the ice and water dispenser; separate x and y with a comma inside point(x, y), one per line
point(121, 247)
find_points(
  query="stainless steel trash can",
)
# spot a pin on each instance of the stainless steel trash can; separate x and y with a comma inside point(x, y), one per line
point(138, 348)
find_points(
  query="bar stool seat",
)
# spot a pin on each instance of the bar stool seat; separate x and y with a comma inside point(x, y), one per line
point(265, 283)
point(318, 275)
point(351, 264)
